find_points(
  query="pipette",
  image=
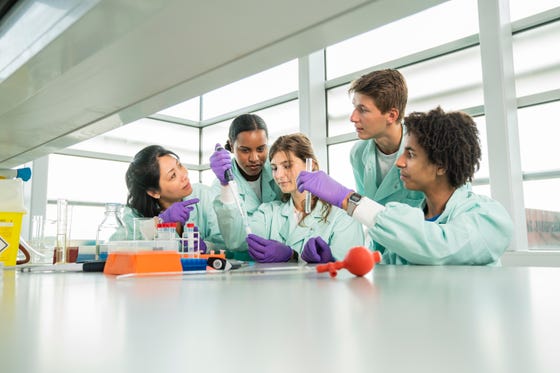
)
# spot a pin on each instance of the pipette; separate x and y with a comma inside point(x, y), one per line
point(308, 168)
point(234, 192)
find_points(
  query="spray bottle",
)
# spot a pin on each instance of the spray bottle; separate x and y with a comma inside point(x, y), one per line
point(19, 173)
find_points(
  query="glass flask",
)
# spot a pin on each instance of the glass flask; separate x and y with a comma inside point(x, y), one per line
point(111, 229)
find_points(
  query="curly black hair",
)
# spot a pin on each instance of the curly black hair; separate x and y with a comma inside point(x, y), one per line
point(450, 140)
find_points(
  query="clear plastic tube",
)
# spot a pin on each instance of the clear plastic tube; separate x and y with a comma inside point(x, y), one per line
point(190, 237)
point(235, 194)
point(61, 226)
point(233, 187)
point(309, 168)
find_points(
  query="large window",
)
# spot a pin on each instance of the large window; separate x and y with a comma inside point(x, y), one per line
point(537, 67)
point(246, 92)
point(438, 25)
point(538, 133)
point(87, 184)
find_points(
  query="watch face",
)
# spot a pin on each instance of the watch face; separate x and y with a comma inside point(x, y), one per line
point(355, 197)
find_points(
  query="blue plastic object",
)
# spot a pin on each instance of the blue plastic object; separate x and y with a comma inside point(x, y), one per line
point(24, 173)
point(194, 264)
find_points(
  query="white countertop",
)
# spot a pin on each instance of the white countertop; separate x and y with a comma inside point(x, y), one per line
point(395, 319)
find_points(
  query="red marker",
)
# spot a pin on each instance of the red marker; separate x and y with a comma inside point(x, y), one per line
point(358, 261)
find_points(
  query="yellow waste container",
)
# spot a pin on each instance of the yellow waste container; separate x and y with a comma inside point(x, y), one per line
point(11, 213)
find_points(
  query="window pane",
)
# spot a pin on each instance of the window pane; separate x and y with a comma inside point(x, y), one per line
point(83, 221)
point(522, 8)
point(406, 36)
point(339, 164)
point(339, 109)
point(280, 120)
point(453, 82)
point(187, 110)
point(131, 138)
point(537, 68)
point(86, 179)
point(257, 88)
point(543, 213)
point(538, 137)
point(212, 135)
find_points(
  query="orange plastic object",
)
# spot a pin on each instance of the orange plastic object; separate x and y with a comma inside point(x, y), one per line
point(119, 263)
point(358, 261)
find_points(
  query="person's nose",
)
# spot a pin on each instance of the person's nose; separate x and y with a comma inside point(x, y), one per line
point(401, 161)
point(354, 116)
point(253, 156)
point(279, 173)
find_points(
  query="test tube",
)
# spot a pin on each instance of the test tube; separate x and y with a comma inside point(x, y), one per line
point(61, 226)
point(188, 235)
point(309, 168)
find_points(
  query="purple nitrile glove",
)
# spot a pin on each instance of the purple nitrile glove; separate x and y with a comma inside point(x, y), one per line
point(179, 211)
point(316, 250)
point(220, 162)
point(199, 245)
point(323, 186)
point(268, 251)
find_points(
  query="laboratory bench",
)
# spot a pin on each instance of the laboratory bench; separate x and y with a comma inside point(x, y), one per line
point(394, 319)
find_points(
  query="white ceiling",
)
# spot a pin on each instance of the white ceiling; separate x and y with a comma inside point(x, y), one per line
point(126, 59)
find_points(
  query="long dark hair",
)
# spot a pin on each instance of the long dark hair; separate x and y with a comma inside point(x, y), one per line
point(244, 122)
point(300, 146)
point(142, 177)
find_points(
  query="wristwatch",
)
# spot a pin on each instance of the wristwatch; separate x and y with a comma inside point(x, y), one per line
point(353, 202)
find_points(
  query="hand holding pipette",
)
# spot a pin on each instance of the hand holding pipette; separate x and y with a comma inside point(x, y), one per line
point(220, 162)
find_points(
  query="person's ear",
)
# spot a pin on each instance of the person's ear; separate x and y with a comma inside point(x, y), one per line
point(153, 194)
point(393, 115)
point(440, 171)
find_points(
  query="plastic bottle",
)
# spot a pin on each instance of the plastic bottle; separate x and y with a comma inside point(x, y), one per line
point(110, 229)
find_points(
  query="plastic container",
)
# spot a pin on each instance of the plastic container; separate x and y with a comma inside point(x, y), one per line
point(11, 213)
point(110, 229)
point(167, 238)
point(166, 231)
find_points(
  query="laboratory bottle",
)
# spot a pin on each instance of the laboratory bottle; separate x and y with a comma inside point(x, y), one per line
point(110, 229)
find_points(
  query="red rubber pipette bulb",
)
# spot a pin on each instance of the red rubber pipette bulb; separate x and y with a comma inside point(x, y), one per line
point(358, 261)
